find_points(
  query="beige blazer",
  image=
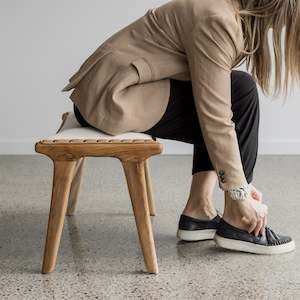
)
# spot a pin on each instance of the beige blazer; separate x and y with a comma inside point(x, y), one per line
point(125, 84)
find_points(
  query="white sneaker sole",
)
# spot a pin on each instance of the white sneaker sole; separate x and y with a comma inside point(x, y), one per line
point(238, 245)
point(196, 235)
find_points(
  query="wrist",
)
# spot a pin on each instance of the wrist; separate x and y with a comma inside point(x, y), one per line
point(240, 193)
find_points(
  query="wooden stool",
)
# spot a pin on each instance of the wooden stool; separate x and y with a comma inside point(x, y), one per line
point(68, 149)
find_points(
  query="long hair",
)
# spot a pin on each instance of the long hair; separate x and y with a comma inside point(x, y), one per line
point(258, 17)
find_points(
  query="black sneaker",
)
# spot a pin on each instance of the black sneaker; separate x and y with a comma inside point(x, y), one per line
point(192, 229)
point(233, 238)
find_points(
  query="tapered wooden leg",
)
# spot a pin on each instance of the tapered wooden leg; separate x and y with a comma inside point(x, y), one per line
point(149, 188)
point(135, 177)
point(75, 187)
point(62, 178)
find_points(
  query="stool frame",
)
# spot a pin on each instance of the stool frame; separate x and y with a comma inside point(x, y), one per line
point(69, 157)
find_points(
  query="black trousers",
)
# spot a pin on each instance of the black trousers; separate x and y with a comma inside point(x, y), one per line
point(180, 121)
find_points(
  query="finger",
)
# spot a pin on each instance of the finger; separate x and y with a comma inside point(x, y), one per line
point(254, 195)
point(262, 212)
point(259, 224)
point(257, 195)
point(265, 224)
point(262, 226)
point(260, 208)
point(262, 230)
point(252, 226)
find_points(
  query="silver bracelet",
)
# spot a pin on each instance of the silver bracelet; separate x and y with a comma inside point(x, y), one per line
point(241, 193)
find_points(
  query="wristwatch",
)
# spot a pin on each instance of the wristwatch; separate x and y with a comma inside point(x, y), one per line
point(241, 193)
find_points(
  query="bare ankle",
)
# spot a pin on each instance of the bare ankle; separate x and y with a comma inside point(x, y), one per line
point(233, 220)
point(201, 211)
point(233, 213)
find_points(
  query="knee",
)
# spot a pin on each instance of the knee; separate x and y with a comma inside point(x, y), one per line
point(244, 86)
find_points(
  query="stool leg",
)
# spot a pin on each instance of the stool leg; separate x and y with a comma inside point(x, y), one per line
point(62, 177)
point(149, 189)
point(75, 187)
point(135, 177)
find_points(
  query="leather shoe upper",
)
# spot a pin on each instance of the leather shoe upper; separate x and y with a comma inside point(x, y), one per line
point(189, 223)
point(270, 238)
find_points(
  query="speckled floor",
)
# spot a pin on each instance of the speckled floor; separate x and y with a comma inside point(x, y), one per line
point(100, 256)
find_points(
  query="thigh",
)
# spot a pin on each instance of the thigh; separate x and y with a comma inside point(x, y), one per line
point(245, 100)
point(180, 120)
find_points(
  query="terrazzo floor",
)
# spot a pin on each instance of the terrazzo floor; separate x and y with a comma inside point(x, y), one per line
point(99, 254)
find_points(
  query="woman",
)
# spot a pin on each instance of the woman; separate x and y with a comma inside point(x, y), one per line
point(169, 74)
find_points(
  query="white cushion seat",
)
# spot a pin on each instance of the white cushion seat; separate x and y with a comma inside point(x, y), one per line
point(72, 131)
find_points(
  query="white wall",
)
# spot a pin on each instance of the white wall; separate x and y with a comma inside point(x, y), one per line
point(44, 42)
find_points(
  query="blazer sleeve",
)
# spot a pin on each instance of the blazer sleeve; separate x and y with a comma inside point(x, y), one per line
point(213, 46)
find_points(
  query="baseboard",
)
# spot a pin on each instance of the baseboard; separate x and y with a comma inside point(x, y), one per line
point(272, 147)
point(280, 147)
point(17, 146)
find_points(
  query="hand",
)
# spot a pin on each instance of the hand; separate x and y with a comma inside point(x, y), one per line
point(255, 193)
point(258, 221)
point(262, 209)
point(249, 214)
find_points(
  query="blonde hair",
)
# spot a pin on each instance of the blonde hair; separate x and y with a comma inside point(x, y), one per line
point(258, 16)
